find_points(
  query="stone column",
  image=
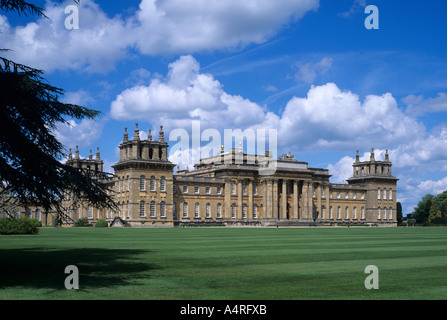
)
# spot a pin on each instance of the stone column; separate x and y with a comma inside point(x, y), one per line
point(250, 199)
point(318, 195)
point(295, 200)
point(275, 199)
point(227, 202)
point(269, 198)
point(327, 195)
point(239, 199)
point(284, 200)
point(304, 200)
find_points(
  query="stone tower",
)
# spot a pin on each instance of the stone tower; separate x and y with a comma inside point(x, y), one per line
point(144, 179)
point(375, 176)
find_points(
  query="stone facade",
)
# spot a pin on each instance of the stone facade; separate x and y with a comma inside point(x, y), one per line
point(230, 189)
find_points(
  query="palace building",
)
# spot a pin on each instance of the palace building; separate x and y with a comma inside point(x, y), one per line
point(230, 189)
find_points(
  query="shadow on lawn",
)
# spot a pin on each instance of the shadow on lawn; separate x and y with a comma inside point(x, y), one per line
point(98, 268)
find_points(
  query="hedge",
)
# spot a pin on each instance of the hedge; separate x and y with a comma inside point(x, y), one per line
point(19, 226)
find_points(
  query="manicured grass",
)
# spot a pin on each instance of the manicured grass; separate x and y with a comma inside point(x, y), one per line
point(225, 263)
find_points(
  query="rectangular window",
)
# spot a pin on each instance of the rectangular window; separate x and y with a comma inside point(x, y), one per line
point(196, 189)
point(208, 190)
point(185, 189)
point(219, 190)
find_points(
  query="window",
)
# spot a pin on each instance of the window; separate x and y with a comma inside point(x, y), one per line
point(322, 212)
point(384, 213)
point(346, 195)
point(174, 189)
point(390, 212)
point(196, 189)
point(163, 184)
point(362, 213)
point(362, 196)
point(354, 213)
point(162, 209)
point(233, 187)
point(219, 190)
point(152, 209)
point(174, 210)
point(313, 191)
point(233, 211)
point(255, 188)
point(244, 211)
point(255, 211)
point(330, 212)
point(338, 212)
point(378, 213)
point(38, 217)
point(185, 189)
point(390, 194)
point(354, 195)
point(208, 210)
point(384, 194)
point(207, 190)
point(152, 187)
point(219, 210)
point(28, 213)
point(185, 210)
point(338, 195)
point(196, 210)
point(244, 188)
point(142, 208)
point(142, 183)
point(346, 213)
point(90, 211)
point(378, 193)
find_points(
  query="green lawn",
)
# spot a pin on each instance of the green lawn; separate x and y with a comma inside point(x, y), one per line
point(225, 263)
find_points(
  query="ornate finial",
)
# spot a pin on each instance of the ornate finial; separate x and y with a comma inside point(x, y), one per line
point(90, 155)
point(222, 149)
point(386, 155)
point(77, 153)
point(357, 158)
point(98, 155)
point(161, 135)
point(136, 132)
point(372, 155)
point(149, 135)
point(69, 154)
point(126, 135)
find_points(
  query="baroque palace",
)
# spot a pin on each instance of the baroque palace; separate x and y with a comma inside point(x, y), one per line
point(230, 189)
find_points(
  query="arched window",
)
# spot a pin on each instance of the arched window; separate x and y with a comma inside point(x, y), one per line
point(185, 210)
point(90, 211)
point(142, 183)
point(354, 213)
point(163, 184)
point(338, 212)
point(196, 210)
point(255, 211)
point(38, 217)
point(362, 213)
point(378, 193)
point(244, 211)
point(152, 209)
point(233, 211)
point(162, 209)
point(390, 212)
point(208, 210)
point(142, 208)
point(378, 213)
point(152, 186)
point(219, 210)
point(346, 213)
point(390, 194)
point(330, 212)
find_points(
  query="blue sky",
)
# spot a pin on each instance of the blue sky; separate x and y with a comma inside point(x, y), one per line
point(306, 68)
